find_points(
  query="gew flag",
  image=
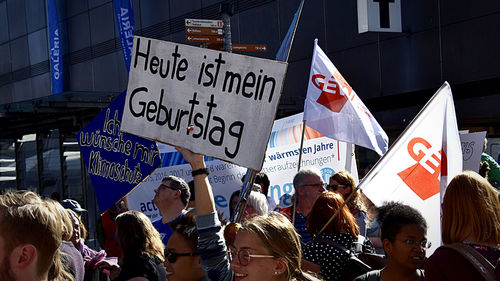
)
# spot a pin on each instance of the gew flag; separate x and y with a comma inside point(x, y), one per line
point(334, 109)
point(420, 164)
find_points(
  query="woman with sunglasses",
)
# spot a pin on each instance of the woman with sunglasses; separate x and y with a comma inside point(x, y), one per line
point(344, 184)
point(471, 221)
point(182, 259)
point(265, 247)
point(142, 249)
point(404, 236)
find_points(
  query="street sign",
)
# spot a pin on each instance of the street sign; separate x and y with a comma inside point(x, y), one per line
point(204, 39)
point(250, 47)
point(204, 31)
point(203, 23)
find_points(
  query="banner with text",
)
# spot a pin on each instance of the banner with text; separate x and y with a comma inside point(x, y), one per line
point(116, 162)
point(280, 165)
point(216, 103)
point(55, 52)
point(125, 21)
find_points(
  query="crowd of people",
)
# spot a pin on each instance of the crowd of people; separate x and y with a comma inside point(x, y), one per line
point(314, 239)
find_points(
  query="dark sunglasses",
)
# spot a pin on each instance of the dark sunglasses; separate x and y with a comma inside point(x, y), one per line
point(172, 257)
point(335, 186)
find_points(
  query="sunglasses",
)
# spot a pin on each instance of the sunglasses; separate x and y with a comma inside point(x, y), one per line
point(243, 256)
point(172, 257)
point(336, 186)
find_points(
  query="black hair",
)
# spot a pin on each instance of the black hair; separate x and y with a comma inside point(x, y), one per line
point(392, 216)
point(262, 179)
point(191, 190)
point(186, 226)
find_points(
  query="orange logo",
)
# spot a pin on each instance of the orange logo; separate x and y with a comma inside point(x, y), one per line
point(331, 95)
point(424, 177)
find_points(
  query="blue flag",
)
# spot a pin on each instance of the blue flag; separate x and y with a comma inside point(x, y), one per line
point(125, 20)
point(55, 52)
point(116, 161)
point(286, 45)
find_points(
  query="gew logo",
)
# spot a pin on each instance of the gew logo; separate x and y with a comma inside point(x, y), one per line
point(331, 94)
point(424, 176)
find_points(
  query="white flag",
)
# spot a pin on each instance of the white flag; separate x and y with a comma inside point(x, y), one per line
point(420, 164)
point(335, 110)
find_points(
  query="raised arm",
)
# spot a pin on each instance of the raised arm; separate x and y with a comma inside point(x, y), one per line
point(204, 196)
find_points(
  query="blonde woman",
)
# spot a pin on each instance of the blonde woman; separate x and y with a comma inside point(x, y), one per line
point(471, 218)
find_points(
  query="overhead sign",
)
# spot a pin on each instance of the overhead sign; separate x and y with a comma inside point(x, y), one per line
point(216, 103)
point(379, 15)
point(204, 31)
point(249, 47)
point(116, 162)
point(203, 23)
point(204, 39)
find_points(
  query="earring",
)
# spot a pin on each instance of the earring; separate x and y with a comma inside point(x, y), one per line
point(276, 272)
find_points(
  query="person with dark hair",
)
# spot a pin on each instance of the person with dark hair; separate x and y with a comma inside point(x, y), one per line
point(470, 223)
point(182, 260)
point(344, 184)
point(171, 198)
point(342, 230)
point(143, 250)
point(404, 237)
point(191, 203)
point(233, 201)
point(263, 180)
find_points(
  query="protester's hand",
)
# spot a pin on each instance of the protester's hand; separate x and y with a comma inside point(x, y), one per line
point(194, 159)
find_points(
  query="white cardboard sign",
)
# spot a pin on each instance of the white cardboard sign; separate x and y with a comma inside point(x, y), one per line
point(472, 148)
point(228, 100)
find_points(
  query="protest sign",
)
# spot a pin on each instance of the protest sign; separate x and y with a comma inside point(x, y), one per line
point(116, 162)
point(472, 147)
point(280, 165)
point(227, 101)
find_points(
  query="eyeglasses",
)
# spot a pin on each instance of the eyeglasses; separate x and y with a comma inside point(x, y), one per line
point(172, 257)
point(410, 242)
point(243, 256)
point(163, 186)
point(335, 186)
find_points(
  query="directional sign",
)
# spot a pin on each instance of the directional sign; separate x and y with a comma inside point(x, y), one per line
point(203, 23)
point(250, 47)
point(204, 39)
point(204, 31)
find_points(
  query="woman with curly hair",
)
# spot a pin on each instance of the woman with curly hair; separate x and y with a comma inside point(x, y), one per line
point(344, 184)
point(142, 248)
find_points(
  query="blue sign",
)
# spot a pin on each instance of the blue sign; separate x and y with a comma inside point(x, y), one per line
point(55, 52)
point(125, 20)
point(116, 161)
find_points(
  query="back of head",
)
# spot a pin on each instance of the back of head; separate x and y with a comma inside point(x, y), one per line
point(179, 184)
point(19, 198)
point(186, 226)
point(471, 209)
point(136, 235)
point(279, 237)
point(258, 201)
point(300, 178)
point(32, 224)
point(262, 179)
point(62, 215)
point(394, 215)
point(324, 208)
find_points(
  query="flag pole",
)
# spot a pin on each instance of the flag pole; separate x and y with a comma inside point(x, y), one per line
point(360, 185)
point(295, 29)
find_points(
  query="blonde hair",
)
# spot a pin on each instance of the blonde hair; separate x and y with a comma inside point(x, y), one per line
point(83, 230)
point(63, 217)
point(136, 235)
point(33, 224)
point(279, 236)
point(471, 208)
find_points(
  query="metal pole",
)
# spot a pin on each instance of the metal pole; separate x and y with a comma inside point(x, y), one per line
point(226, 10)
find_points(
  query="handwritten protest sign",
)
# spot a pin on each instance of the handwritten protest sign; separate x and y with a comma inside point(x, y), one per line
point(472, 147)
point(116, 162)
point(228, 101)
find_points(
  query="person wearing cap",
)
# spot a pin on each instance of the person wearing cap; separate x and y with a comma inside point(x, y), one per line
point(171, 198)
point(73, 205)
